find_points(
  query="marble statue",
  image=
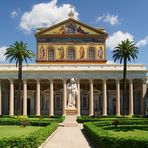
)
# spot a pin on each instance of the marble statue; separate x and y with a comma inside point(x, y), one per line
point(72, 93)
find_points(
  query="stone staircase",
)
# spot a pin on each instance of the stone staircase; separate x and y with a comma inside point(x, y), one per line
point(70, 121)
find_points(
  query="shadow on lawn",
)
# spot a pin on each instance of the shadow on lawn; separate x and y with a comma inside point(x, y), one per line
point(126, 128)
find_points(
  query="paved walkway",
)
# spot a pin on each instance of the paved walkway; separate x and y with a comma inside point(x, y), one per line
point(67, 137)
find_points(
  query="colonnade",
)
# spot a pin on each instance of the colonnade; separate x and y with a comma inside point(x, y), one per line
point(64, 100)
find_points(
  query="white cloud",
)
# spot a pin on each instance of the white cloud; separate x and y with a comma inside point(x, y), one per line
point(45, 15)
point(15, 13)
point(2, 52)
point(116, 38)
point(110, 62)
point(143, 42)
point(108, 18)
point(99, 18)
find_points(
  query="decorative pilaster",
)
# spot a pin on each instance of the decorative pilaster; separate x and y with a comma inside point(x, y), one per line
point(143, 93)
point(24, 97)
point(51, 108)
point(78, 98)
point(91, 99)
point(38, 98)
point(131, 111)
point(64, 97)
point(118, 97)
point(104, 113)
point(0, 99)
point(11, 103)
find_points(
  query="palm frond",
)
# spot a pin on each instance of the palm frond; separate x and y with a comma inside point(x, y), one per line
point(126, 49)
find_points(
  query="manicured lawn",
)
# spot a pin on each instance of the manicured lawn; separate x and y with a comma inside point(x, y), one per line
point(16, 131)
point(137, 131)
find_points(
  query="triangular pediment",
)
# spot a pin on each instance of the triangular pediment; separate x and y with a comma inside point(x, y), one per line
point(70, 27)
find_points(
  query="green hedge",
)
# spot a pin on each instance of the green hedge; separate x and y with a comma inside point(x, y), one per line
point(8, 121)
point(33, 121)
point(82, 119)
point(33, 140)
point(101, 138)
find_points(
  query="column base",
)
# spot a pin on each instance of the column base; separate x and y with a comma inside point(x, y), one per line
point(104, 114)
point(64, 114)
point(118, 115)
point(78, 115)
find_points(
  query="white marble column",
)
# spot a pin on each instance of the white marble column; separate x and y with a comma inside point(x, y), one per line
point(64, 97)
point(0, 99)
point(144, 89)
point(38, 93)
point(51, 101)
point(78, 98)
point(24, 97)
point(117, 97)
point(104, 113)
point(91, 99)
point(131, 111)
point(11, 102)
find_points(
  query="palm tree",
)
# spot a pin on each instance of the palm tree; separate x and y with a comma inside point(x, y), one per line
point(124, 52)
point(19, 53)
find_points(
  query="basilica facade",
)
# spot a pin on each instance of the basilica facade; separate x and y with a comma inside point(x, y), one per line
point(71, 49)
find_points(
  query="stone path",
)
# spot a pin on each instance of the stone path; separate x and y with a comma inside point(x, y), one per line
point(67, 137)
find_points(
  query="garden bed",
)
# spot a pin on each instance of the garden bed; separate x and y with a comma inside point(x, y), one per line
point(25, 133)
point(33, 139)
point(105, 135)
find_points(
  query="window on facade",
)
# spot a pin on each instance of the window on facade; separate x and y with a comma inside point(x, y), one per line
point(91, 54)
point(71, 54)
point(50, 54)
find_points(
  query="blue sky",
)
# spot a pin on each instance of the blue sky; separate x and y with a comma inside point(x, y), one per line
point(121, 18)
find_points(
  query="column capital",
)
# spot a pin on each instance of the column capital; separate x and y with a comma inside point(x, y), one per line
point(78, 80)
point(91, 80)
point(130, 80)
point(24, 81)
point(11, 80)
point(51, 80)
point(37, 80)
point(104, 80)
point(117, 80)
point(144, 81)
point(64, 80)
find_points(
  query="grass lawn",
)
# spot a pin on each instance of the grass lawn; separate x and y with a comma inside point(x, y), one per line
point(9, 131)
point(137, 131)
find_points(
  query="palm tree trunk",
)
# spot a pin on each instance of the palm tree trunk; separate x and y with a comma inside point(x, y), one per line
point(124, 85)
point(19, 88)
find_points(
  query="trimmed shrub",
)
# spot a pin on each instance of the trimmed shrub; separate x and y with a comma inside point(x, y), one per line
point(24, 122)
point(115, 122)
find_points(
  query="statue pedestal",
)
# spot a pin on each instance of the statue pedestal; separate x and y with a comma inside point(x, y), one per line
point(71, 117)
point(71, 111)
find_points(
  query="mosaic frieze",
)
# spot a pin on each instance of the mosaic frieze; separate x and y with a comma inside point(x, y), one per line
point(61, 52)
